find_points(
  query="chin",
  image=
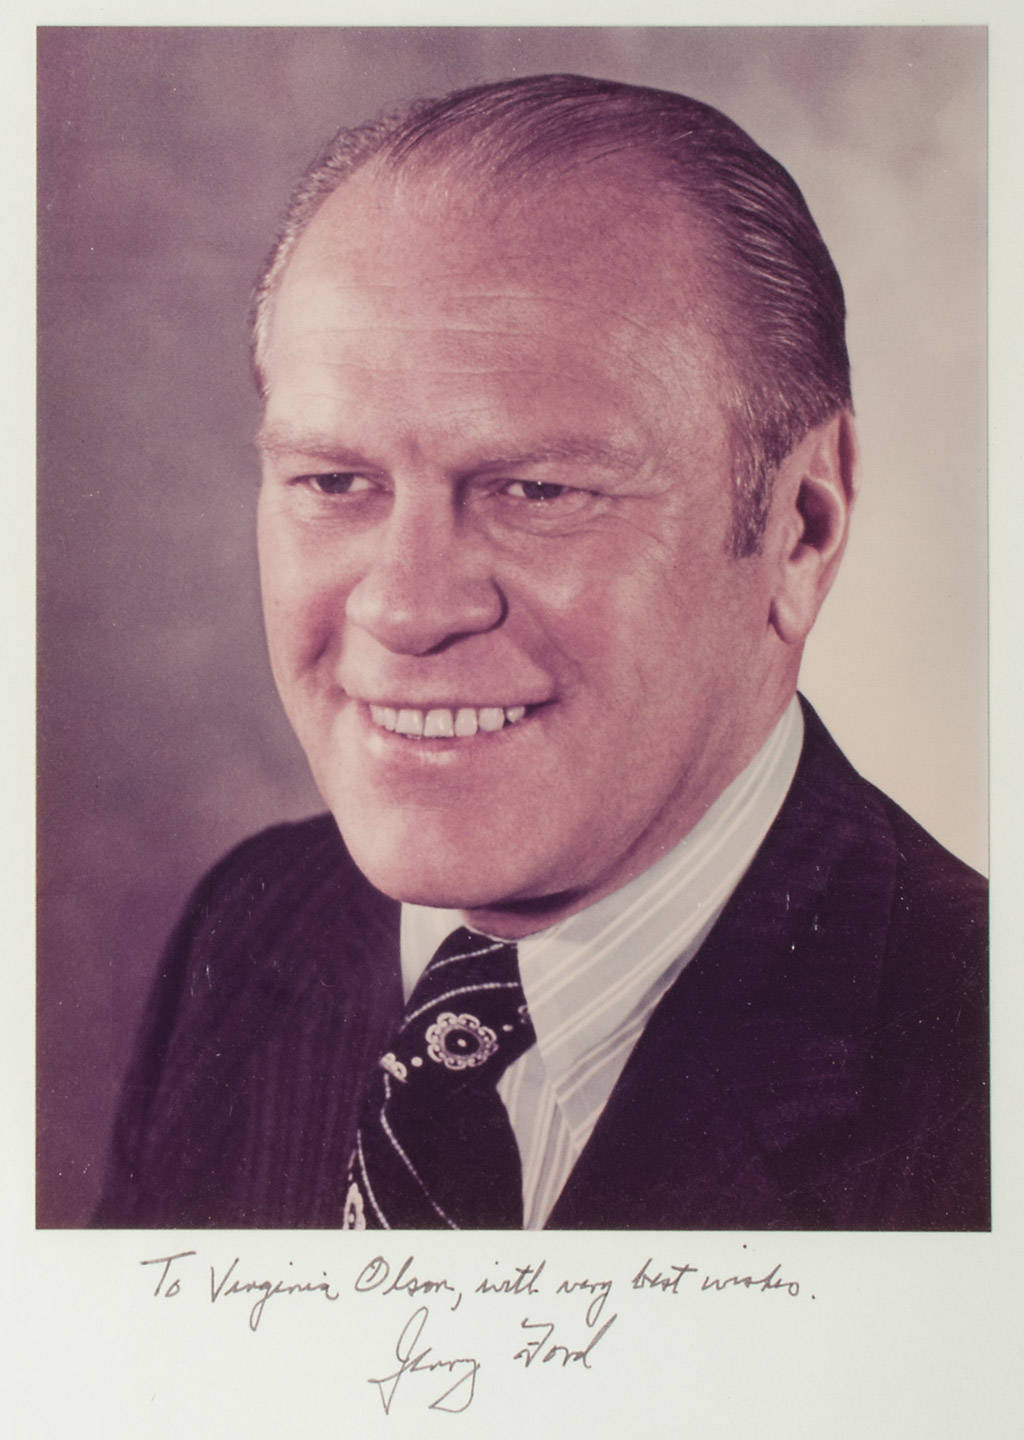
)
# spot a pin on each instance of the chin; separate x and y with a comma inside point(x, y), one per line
point(420, 870)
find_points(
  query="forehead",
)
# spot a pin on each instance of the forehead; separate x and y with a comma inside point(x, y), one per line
point(597, 258)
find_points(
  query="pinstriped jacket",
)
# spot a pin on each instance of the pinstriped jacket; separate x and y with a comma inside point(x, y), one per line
point(821, 1063)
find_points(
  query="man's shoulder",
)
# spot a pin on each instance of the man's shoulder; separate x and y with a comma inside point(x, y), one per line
point(287, 864)
point(895, 904)
point(877, 831)
point(281, 853)
point(287, 902)
point(273, 997)
point(932, 880)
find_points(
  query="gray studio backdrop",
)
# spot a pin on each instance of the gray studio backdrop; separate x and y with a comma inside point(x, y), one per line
point(165, 156)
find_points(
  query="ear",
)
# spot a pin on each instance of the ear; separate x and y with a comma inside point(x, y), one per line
point(813, 497)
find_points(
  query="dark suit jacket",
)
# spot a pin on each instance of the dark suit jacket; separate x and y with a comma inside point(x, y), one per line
point(821, 1064)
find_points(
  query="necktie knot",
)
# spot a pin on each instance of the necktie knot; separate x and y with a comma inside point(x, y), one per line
point(466, 1018)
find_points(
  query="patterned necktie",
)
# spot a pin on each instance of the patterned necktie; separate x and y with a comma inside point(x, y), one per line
point(435, 1147)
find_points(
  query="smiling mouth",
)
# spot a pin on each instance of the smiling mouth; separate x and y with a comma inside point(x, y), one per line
point(440, 723)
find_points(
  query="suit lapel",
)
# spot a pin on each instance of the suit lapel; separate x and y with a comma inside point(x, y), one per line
point(759, 1046)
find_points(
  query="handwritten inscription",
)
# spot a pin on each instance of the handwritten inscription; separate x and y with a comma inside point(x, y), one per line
point(600, 1289)
point(553, 1322)
point(376, 1274)
point(412, 1360)
point(523, 1280)
point(227, 1284)
point(671, 1277)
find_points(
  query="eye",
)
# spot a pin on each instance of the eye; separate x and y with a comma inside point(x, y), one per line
point(336, 482)
point(537, 491)
point(545, 506)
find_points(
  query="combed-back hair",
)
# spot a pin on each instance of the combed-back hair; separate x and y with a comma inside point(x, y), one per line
point(780, 313)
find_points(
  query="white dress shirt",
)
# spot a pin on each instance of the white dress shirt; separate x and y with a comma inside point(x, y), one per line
point(592, 980)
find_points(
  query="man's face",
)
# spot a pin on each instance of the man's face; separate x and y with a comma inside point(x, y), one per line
point(493, 532)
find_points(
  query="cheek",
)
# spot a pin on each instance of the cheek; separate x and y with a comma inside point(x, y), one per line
point(668, 635)
point(301, 600)
point(589, 588)
point(619, 600)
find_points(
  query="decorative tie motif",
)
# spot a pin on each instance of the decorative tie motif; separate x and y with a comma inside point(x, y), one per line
point(435, 1147)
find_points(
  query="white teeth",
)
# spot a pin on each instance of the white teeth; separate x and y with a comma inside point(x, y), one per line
point(441, 723)
point(409, 722)
point(438, 723)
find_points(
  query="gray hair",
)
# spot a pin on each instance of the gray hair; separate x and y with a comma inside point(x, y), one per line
point(781, 313)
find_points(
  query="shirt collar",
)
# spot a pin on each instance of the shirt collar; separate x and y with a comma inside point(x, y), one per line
point(588, 976)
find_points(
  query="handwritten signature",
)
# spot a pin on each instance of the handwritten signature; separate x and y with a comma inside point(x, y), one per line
point(415, 1361)
point(540, 1346)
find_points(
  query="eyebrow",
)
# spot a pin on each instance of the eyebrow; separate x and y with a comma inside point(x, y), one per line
point(277, 440)
point(572, 450)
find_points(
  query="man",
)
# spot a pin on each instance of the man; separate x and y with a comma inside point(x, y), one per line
point(558, 462)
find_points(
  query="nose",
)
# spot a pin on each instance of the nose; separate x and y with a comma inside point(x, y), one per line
point(426, 583)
